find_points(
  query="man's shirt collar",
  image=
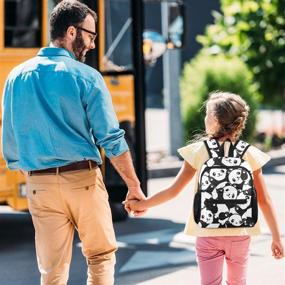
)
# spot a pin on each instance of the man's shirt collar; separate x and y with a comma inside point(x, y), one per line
point(55, 51)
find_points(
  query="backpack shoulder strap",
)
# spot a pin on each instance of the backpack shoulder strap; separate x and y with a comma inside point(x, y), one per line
point(238, 149)
point(213, 148)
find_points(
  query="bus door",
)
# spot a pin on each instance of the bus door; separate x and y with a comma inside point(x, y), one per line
point(23, 30)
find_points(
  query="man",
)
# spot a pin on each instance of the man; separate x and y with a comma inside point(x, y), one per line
point(55, 111)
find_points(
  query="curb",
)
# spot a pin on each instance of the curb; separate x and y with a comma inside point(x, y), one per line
point(276, 161)
point(164, 170)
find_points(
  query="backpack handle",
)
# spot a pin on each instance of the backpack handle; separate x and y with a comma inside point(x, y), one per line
point(236, 150)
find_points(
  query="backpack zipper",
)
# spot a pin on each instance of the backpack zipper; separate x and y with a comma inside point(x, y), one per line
point(225, 201)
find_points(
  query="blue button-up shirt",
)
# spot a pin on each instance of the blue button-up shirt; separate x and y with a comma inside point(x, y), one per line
point(56, 111)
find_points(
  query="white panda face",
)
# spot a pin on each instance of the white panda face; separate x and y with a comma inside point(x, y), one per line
point(235, 220)
point(218, 173)
point(237, 176)
point(205, 182)
point(241, 146)
point(207, 216)
point(230, 192)
point(231, 161)
point(212, 144)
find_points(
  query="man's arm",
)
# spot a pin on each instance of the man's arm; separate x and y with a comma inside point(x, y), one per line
point(110, 137)
point(124, 165)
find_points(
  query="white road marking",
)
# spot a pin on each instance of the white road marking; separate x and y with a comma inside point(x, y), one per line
point(180, 250)
point(142, 260)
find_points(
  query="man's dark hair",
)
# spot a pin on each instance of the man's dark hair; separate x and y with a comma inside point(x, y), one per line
point(65, 14)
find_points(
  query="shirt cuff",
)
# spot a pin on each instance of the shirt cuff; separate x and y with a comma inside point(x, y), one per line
point(117, 149)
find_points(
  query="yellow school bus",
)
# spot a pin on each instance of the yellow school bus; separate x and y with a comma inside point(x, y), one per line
point(122, 50)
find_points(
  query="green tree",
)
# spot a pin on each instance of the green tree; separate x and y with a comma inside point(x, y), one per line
point(255, 31)
point(205, 74)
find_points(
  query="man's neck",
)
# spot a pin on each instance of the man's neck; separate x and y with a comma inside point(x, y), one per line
point(62, 44)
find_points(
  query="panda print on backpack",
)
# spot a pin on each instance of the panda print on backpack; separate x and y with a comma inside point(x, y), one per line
point(226, 197)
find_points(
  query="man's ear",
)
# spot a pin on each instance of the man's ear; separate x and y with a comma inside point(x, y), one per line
point(71, 33)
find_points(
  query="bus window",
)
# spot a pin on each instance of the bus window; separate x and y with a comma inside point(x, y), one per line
point(118, 36)
point(22, 23)
point(51, 5)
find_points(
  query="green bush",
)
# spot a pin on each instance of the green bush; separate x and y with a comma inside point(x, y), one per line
point(205, 74)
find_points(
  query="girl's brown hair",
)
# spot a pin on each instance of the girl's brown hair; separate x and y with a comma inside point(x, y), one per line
point(231, 112)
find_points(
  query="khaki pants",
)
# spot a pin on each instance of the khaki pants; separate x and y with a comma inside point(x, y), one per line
point(60, 203)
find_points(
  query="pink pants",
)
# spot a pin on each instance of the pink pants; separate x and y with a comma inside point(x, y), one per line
point(211, 252)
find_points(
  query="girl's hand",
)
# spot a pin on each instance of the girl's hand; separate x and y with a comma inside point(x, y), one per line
point(135, 205)
point(277, 249)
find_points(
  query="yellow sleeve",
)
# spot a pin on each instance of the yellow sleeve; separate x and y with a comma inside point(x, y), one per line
point(256, 158)
point(190, 153)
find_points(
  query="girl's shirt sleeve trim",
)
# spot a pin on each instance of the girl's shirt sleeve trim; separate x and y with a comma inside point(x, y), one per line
point(190, 153)
point(256, 158)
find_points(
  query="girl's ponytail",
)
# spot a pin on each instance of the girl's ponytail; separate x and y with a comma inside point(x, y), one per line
point(231, 112)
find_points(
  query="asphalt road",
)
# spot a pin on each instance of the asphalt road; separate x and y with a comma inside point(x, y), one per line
point(152, 250)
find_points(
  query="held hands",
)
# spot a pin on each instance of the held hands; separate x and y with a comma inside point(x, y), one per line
point(135, 206)
point(277, 249)
point(135, 195)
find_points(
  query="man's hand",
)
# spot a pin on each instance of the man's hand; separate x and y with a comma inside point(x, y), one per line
point(136, 205)
point(124, 165)
point(135, 193)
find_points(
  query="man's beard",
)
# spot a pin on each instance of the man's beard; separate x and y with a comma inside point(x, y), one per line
point(78, 47)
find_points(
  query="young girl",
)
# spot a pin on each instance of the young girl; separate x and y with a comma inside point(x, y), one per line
point(226, 115)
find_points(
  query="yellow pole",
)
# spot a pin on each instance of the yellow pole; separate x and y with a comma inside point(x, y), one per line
point(2, 25)
point(101, 32)
point(45, 23)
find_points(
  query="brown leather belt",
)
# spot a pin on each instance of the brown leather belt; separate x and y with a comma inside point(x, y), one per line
point(84, 164)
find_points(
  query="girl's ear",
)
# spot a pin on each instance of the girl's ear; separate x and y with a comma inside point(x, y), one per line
point(215, 124)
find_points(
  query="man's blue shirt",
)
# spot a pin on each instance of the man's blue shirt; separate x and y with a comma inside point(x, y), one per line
point(56, 111)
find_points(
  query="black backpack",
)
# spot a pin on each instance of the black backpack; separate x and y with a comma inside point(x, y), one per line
point(226, 197)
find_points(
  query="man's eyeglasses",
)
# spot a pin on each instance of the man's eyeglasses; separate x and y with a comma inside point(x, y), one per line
point(94, 35)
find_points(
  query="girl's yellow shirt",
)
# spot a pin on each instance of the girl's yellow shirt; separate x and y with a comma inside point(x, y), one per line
point(196, 154)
